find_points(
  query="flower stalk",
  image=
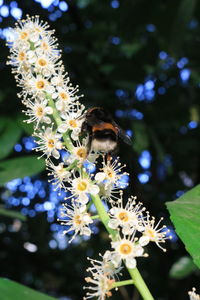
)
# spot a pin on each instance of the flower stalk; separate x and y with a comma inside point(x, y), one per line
point(53, 106)
point(137, 279)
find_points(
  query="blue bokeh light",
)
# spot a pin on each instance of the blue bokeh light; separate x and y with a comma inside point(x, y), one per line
point(161, 90)
point(129, 132)
point(4, 11)
point(182, 62)
point(163, 55)
point(179, 193)
point(16, 12)
point(185, 75)
point(18, 148)
point(90, 167)
point(151, 27)
point(123, 182)
point(121, 94)
point(134, 113)
point(145, 91)
point(13, 4)
point(145, 159)
point(63, 6)
point(114, 4)
point(192, 124)
point(144, 177)
point(115, 40)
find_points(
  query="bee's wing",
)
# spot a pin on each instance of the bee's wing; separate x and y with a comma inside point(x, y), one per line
point(122, 134)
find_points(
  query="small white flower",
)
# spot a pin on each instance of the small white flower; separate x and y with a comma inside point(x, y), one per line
point(126, 248)
point(39, 85)
point(72, 120)
point(80, 187)
point(78, 220)
point(129, 218)
point(49, 143)
point(38, 111)
point(78, 153)
point(193, 295)
point(83, 186)
point(64, 96)
point(111, 172)
point(59, 173)
point(151, 232)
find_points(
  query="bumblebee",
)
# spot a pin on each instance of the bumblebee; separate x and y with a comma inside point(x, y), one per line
point(104, 133)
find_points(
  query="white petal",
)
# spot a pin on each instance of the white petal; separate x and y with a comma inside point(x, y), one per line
point(131, 262)
point(126, 230)
point(114, 210)
point(94, 189)
point(86, 231)
point(48, 110)
point(82, 208)
point(100, 176)
point(46, 120)
point(83, 198)
point(59, 145)
point(138, 250)
point(113, 224)
point(144, 240)
point(56, 154)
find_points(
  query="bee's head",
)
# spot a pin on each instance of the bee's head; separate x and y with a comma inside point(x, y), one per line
point(98, 114)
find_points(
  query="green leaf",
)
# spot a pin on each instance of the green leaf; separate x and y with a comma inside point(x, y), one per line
point(12, 214)
point(182, 268)
point(9, 135)
point(10, 290)
point(184, 213)
point(20, 167)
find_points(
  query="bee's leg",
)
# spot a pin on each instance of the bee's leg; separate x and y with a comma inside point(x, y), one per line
point(108, 157)
point(89, 145)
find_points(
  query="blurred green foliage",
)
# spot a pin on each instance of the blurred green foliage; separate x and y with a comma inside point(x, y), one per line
point(103, 65)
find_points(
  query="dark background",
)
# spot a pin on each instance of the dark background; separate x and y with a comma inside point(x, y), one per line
point(140, 60)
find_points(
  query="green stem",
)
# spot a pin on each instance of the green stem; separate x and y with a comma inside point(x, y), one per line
point(58, 121)
point(103, 214)
point(122, 283)
point(95, 217)
point(140, 284)
point(72, 166)
point(135, 274)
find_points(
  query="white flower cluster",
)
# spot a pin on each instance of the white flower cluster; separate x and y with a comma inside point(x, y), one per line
point(53, 107)
point(193, 296)
point(103, 274)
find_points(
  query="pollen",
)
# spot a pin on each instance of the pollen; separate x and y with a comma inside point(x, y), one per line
point(64, 96)
point(82, 186)
point(42, 62)
point(110, 174)
point(23, 35)
point(82, 152)
point(21, 56)
point(150, 233)
point(40, 84)
point(125, 249)
point(123, 216)
point(73, 123)
point(50, 143)
point(77, 220)
point(40, 111)
point(44, 46)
